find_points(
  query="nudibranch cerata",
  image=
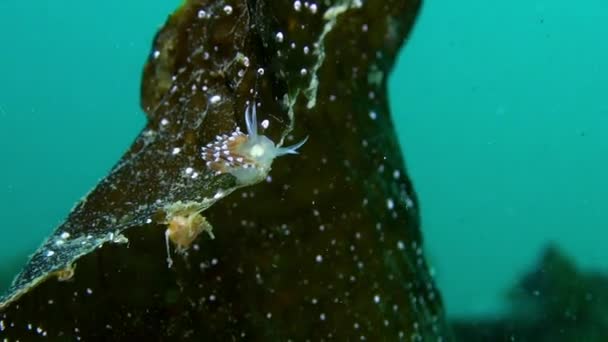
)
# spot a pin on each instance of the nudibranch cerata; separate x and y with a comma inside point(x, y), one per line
point(247, 156)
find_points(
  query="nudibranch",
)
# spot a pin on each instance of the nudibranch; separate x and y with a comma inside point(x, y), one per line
point(246, 156)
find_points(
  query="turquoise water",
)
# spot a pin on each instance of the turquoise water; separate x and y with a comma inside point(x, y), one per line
point(500, 108)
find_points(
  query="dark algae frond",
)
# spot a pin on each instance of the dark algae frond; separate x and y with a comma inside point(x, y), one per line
point(185, 241)
point(555, 301)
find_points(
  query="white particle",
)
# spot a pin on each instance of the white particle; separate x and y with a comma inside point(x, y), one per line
point(214, 261)
point(373, 115)
point(297, 5)
point(319, 258)
point(364, 28)
point(409, 203)
point(156, 54)
point(212, 298)
point(313, 8)
point(261, 71)
point(322, 316)
point(215, 99)
point(390, 204)
point(246, 61)
point(50, 253)
point(202, 14)
point(228, 9)
point(176, 150)
point(303, 72)
point(148, 220)
point(400, 245)
point(269, 315)
point(279, 37)
point(396, 174)
point(194, 175)
point(265, 123)
point(189, 170)
point(356, 325)
point(306, 50)
point(293, 45)
point(376, 299)
point(65, 235)
point(89, 291)
point(164, 122)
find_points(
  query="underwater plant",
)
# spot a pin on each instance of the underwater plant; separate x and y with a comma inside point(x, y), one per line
point(326, 246)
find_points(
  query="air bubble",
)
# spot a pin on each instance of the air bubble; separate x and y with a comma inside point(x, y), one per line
point(215, 99)
point(400, 245)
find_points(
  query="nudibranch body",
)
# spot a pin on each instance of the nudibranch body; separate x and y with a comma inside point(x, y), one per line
point(247, 156)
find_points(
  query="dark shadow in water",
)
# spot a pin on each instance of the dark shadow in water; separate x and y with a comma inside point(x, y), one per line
point(553, 302)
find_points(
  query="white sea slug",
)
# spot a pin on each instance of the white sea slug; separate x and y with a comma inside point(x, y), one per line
point(247, 156)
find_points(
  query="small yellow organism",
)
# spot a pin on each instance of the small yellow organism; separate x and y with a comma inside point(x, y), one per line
point(66, 274)
point(184, 224)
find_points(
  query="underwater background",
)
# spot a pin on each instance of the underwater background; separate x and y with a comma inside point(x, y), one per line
point(500, 108)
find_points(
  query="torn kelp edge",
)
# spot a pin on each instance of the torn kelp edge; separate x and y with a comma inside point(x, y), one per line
point(331, 17)
point(67, 249)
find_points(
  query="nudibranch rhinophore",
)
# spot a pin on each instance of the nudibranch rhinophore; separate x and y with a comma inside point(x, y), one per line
point(246, 156)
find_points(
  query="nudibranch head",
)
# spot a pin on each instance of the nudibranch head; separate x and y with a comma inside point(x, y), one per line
point(247, 156)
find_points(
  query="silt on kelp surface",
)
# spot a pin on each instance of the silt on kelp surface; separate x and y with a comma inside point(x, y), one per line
point(320, 245)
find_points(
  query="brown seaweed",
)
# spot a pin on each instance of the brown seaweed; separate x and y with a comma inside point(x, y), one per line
point(326, 246)
point(555, 301)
